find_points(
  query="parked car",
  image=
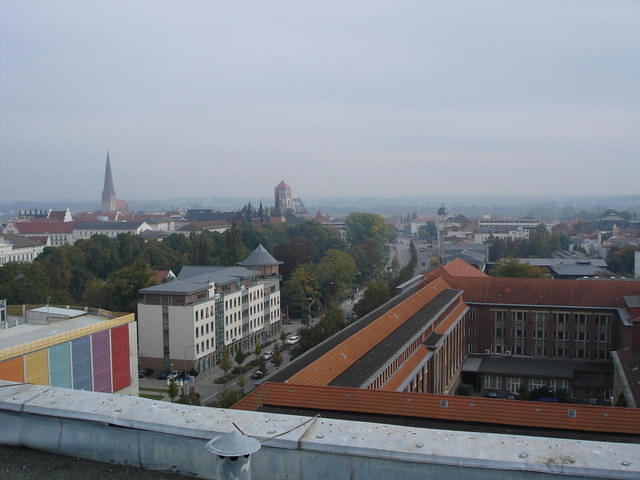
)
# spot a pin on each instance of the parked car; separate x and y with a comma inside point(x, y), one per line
point(162, 375)
point(492, 395)
point(268, 354)
point(257, 374)
point(144, 372)
point(292, 340)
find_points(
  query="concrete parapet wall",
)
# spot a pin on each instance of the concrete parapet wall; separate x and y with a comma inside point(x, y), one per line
point(164, 436)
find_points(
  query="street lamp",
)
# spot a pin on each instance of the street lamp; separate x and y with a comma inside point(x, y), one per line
point(309, 311)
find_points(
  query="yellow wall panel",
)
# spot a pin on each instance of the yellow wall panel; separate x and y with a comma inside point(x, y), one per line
point(12, 370)
point(37, 364)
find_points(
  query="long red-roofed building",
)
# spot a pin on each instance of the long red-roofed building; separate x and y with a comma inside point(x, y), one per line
point(504, 337)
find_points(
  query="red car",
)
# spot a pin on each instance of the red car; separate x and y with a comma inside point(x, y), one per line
point(257, 374)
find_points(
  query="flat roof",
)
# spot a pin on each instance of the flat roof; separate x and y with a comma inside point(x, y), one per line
point(30, 332)
point(534, 367)
point(68, 312)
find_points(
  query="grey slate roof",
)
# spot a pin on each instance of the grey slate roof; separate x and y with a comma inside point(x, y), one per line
point(260, 257)
point(107, 225)
point(533, 367)
point(551, 262)
point(18, 241)
point(577, 269)
point(194, 279)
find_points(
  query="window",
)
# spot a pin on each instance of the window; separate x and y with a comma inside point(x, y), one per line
point(518, 325)
point(539, 325)
point(582, 332)
point(561, 325)
point(471, 348)
point(513, 385)
point(556, 385)
point(535, 383)
point(603, 326)
point(493, 381)
point(498, 326)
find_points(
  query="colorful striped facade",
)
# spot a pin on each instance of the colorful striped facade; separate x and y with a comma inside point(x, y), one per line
point(104, 361)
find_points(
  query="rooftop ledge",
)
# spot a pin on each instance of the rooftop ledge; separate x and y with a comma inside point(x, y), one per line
point(164, 436)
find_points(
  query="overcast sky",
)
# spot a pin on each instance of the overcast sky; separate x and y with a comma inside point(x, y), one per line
point(376, 98)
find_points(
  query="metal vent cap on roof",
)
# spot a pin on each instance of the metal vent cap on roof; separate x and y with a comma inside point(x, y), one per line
point(233, 444)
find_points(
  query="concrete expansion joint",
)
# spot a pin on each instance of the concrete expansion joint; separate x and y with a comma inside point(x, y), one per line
point(29, 400)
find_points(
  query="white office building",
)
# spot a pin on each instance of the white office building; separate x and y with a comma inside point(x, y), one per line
point(187, 322)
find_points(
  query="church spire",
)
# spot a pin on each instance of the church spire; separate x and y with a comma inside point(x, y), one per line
point(108, 179)
point(108, 192)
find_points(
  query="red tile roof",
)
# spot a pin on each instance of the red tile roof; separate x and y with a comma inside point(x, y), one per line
point(544, 291)
point(482, 288)
point(337, 360)
point(464, 409)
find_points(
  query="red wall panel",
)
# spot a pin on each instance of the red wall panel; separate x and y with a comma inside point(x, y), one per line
point(120, 357)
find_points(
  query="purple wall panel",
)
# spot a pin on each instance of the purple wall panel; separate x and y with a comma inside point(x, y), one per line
point(101, 362)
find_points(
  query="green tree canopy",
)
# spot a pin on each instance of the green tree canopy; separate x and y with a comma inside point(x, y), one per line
point(511, 267)
point(376, 294)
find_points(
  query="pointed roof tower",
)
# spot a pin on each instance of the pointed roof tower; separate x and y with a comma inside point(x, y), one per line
point(108, 192)
point(108, 178)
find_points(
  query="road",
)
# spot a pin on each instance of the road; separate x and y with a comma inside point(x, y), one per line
point(204, 384)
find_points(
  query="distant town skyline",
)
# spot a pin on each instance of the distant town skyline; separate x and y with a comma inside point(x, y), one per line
point(339, 99)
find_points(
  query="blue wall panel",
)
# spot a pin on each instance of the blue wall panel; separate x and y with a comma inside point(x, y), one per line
point(82, 374)
point(60, 365)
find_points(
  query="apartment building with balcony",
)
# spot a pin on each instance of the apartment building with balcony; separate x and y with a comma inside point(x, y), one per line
point(186, 323)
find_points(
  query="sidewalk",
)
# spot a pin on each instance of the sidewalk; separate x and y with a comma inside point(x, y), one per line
point(204, 383)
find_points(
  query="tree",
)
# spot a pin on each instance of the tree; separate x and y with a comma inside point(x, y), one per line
point(377, 292)
point(258, 349)
point(277, 356)
point(369, 236)
point(262, 365)
point(240, 356)
point(621, 259)
point(511, 267)
point(192, 398)
point(225, 362)
point(58, 270)
point(122, 286)
point(228, 397)
point(173, 390)
point(428, 232)
point(336, 273)
point(302, 285)
point(241, 383)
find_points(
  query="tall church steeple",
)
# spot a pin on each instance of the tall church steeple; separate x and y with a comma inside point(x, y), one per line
point(108, 192)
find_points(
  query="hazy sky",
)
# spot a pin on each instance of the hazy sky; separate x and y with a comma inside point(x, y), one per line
point(388, 98)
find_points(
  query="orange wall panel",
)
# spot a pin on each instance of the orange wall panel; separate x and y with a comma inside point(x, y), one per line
point(12, 370)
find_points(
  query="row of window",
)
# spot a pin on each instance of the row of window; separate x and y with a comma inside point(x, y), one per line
point(514, 384)
point(538, 349)
point(204, 329)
